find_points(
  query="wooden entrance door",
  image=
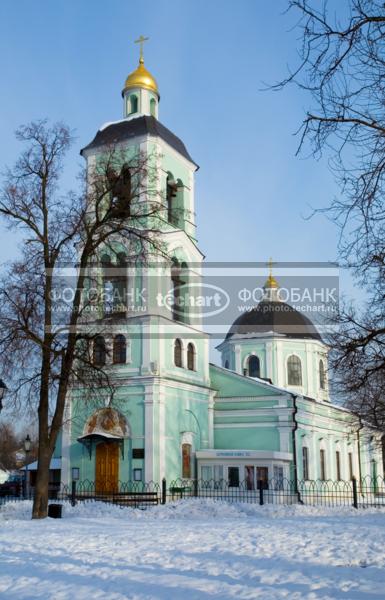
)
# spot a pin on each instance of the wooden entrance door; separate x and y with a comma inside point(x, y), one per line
point(107, 467)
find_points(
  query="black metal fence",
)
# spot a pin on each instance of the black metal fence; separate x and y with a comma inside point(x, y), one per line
point(366, 492)
point(362, 493)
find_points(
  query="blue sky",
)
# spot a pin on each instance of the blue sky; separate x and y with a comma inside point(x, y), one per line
point(67, 60)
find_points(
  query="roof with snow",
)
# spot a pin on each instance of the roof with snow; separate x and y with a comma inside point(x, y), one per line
point(126, 129)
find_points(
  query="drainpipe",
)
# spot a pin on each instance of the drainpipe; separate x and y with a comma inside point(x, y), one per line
point(295, 448)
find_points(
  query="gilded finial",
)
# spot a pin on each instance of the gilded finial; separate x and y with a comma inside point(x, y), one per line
point(141, 41)
point(271, 281)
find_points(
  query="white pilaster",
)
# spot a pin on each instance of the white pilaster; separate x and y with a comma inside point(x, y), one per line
point(149, 434)
point(162, 435)
point(269, 360)
point(238, 365)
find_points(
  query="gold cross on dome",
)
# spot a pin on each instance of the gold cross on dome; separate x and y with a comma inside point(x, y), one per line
point(270, 263)
point(141, 41)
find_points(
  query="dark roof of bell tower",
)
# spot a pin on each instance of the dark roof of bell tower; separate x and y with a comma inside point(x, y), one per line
point(129, 129)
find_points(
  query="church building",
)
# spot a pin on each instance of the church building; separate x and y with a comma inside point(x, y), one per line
point(264, 413)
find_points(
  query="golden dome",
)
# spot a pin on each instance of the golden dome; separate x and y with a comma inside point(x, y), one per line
point(271, 282)
point(141, 78)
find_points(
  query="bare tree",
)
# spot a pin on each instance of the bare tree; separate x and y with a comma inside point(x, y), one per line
point(45, 339)
point(342, 67)
point(9, 444)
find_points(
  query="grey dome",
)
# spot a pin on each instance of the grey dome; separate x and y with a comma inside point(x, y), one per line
point(274, 316)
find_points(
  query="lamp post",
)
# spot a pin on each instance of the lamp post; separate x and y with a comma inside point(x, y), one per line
point(27, 449)
point(3, 391)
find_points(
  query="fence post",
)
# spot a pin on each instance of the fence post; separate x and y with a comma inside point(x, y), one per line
point(355, 496)
point(261, 492)
point(73, 493)
point(164, 491)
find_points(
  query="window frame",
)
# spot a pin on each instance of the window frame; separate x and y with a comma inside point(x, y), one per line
point(322, 455)
point(322, 375)
point(305, 463)
point(294, 377)
point(178, 358)
point(120, 352)
point(186, 460)
point(254, 358)
point(191, 357)
point(99, 345)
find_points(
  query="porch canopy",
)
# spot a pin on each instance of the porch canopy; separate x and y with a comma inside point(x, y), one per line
point(105, 425)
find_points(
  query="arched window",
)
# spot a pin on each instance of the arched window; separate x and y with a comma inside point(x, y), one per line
point(99, 357)
point(114, 283)
point(322, 375)
point(253, 366)
point(191, 357)
point(105, 259)
point(171, 193)
point(178, 353)
point(133, 107)
point(153, 107)
point(121, 189)
point(177, 308)
point(294, 370)
point(121, 259)
point(186, 461)
point(179, 209)
point(226, 364)
point(119, 350)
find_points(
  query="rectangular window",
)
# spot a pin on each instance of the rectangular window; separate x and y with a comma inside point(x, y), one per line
point(137, 474)
point(206, 473)
point(305, 462)
point(262, 478)
point(138, 453)
point(322, 465)
point(351, 472)
point(278, 477)
point(374, 476)
point(186, 461)
point(233, 473)
point(218, 472)
point(249, 477)
point(338, 465)
point(218, 477)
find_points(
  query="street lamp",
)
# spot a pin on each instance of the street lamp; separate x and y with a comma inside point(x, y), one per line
point(27, 449)
point(3, 391)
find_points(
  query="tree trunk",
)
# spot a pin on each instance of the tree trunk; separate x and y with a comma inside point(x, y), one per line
point(40, 501)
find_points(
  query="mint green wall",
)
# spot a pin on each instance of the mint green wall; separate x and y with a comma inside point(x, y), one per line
point(230, 384)
point(186, 412)
point(251, 439)
point(58, 446)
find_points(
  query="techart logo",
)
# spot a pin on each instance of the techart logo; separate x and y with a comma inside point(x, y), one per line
point(195, 299)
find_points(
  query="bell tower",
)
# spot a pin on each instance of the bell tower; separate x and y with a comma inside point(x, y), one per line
point(151, 339)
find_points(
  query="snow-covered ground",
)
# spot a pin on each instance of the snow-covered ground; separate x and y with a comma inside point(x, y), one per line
point(195, 549)
point(3, 476)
